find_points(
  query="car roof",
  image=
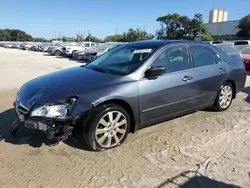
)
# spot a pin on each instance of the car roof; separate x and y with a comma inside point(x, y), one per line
point(159, 43)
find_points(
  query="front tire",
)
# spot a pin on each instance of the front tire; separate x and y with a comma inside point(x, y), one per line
point(224, 98)
point(107, 127)
point(57, 53)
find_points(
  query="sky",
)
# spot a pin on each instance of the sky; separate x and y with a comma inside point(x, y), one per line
point(50, 18)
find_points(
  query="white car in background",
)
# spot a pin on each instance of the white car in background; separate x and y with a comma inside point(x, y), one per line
point(69, 50)
point(77, 54)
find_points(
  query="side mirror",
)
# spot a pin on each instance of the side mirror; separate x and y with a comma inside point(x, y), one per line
point(155, 72)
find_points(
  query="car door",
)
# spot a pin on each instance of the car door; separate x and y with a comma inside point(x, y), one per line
point(210, 72)
point(170, 93)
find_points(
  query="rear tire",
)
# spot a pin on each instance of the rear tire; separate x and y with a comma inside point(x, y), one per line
point(224, 98)
point(107, 127)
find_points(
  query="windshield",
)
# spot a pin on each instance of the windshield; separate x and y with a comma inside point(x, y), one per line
point(114, 46)
point(102, 47)
point(122, 60)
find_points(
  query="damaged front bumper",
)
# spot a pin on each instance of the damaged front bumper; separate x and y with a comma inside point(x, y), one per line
point(54, 128)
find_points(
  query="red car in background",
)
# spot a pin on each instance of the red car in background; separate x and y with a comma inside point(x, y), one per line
point(245, 55)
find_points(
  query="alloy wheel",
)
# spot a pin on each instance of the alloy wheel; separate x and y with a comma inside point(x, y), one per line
point(226, 96)
point(111, 129)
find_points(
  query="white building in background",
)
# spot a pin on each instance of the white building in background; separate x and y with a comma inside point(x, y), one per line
point(219, 27)
point(217, 15)
point(227, 29)
point(225, 14)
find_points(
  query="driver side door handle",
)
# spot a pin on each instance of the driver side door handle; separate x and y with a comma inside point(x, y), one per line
point(187, 78)
point(221, 70)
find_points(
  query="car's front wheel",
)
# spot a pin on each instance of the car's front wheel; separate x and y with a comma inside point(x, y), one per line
point(107, 128)
point(224, 98)
point(57, 53)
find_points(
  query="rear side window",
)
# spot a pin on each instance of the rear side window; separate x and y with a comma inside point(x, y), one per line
point(203, 56)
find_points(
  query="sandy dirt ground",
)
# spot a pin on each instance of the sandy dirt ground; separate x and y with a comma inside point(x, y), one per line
point(205, 149)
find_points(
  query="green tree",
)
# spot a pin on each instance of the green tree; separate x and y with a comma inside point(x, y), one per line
point(244, 27)
point(175, 26)
point(206, 35)
point(171, 26)
point(129, 36)
point(116, 38)
point(14, 35)
point(5, 35)
point(92, 38)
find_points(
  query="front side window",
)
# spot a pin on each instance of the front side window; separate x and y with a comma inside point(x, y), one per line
point(122, 60)
point(203, 56)
point(173, 59)
point(87, 45)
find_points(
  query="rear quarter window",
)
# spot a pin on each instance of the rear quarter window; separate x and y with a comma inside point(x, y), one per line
point(226, 51)
point(232, 58)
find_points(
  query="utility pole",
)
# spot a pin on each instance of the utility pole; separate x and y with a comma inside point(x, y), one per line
point(116, 34)
point(89, 35)
point(144, 30)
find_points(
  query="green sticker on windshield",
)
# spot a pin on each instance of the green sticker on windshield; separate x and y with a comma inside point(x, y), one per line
point(178, 58)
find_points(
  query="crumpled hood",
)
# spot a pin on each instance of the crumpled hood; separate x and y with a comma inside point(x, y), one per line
point(62, 81)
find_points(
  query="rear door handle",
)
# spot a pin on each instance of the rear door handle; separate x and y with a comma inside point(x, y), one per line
point(187, 78)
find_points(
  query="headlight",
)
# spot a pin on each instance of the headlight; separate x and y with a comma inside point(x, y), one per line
point(57, 110)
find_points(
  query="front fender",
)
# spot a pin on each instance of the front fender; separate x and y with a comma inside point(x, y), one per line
point(127, 92)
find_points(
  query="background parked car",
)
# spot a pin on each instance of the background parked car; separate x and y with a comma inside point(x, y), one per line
point(78, 55)
point(93, 53)
point(245, 55)
point(69, 50)
point(51, 47)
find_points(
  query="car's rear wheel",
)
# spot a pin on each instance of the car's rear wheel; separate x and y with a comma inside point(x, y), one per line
point(224, 98)
point(107, 128)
